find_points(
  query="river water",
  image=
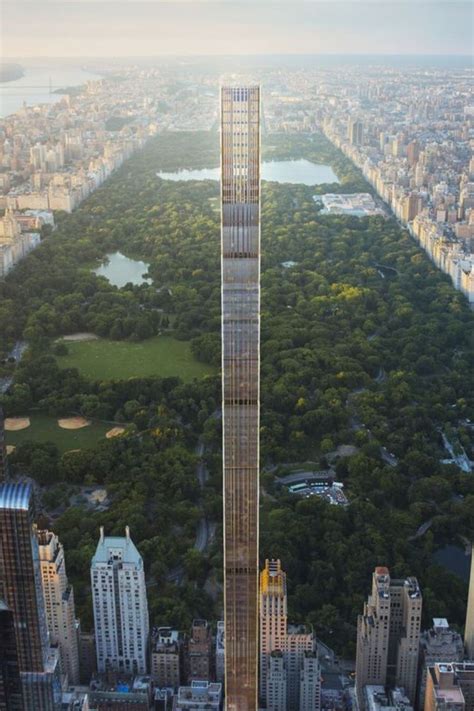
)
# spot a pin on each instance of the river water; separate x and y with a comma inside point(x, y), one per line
point(33, 87)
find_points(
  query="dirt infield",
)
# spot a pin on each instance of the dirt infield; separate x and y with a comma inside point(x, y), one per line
point(80, 337)
point(14, 424)
point(73, 423)
point(115, 432)
point(10, 448)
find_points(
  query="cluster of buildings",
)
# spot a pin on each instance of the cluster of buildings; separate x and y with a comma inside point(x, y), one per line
point(48, 664)
point(401, 668)
point(20, 232)
point(53, 156)
point(414, 146)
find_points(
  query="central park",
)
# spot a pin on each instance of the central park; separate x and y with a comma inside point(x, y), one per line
point(352, 360)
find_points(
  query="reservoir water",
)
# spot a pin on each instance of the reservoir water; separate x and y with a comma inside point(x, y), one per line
point(34, 86)
point(301, 171)
point(120, 270)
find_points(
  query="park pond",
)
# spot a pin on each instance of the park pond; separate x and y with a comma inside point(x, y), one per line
point(121, 270)
point(301, 171)
point(454, 559)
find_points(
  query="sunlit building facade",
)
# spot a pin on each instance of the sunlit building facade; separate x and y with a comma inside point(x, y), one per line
point(240, 245)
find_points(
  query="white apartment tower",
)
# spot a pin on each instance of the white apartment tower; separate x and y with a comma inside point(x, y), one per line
point(310, 683)
point(120, 605)
point(59, 603)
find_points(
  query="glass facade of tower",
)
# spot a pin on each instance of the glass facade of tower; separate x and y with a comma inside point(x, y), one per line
point(240, 244)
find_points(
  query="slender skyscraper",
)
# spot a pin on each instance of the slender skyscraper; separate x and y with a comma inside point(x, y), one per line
point(240, 244)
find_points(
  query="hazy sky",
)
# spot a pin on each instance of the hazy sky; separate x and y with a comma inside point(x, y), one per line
point(69, 28)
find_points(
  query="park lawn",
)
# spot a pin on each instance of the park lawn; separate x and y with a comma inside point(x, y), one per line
point(44, 428)
point(163, 356)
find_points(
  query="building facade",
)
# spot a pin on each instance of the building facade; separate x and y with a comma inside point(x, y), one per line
point(310, 683)
point(21, 590)
point(59, 603)
point(276, 635)
point(120, 606)
point(443, 690)
point(200, 652)
point(273, 616)
point(11, 697)
point(240, 251)
point(166, 658)
point(441, 643)
point(276, 682)
point(388, 634)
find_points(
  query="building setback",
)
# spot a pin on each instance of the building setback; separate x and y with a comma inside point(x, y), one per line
point(277, 636)
point(59, 604)
point(240, 252)
point(388, 634)
point(120, 606)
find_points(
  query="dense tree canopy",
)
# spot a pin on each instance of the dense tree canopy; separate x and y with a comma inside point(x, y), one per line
point(364, 342)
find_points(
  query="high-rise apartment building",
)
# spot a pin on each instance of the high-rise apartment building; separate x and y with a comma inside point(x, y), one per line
point(273, 616)
point(388, 634)
point(200, 652)
point(59, 604)
point(469, 627)
point(299, 640)
point(276, 682)
point(11, 697)
point(120, 605)
point(310, 683)
point(240, 251)
point(276, 635)
point(441, 643)
point(21, 590)
point(166, 658)
point(355, 132)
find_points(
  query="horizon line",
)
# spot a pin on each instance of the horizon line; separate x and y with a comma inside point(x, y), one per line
point(256, 54)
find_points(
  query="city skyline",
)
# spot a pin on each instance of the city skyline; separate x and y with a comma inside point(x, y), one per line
point(122, 29)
